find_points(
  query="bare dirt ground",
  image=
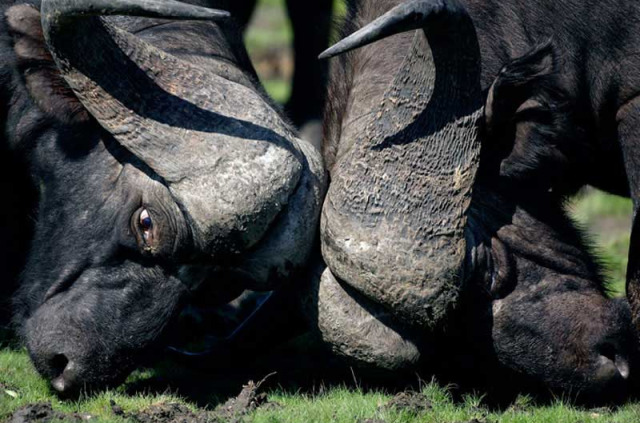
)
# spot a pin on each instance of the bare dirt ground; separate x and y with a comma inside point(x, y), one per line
point(233, 410)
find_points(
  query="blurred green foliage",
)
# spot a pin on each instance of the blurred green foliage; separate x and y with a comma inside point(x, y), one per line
point(268, 41)
point(606, 219)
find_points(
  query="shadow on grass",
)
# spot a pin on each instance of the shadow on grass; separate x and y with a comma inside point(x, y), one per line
point(300, 366)
point(306, 373)
point(312, 373)
point(298, 369)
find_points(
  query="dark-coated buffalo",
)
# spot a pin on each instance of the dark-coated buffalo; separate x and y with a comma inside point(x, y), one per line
point(161, 168)
point(451, 151)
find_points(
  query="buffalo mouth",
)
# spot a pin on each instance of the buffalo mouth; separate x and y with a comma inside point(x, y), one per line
point(79, 350)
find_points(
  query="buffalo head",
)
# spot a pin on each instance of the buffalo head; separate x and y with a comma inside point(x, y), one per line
point(161, 168)
point(422, 229)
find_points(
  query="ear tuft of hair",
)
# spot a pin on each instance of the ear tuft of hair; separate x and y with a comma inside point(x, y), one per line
point(517, 82)
point(530, 134)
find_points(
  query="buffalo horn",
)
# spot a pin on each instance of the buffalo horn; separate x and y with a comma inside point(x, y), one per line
point(403, 18)
point(394, 222)
point(54, 12)
point(202, 128)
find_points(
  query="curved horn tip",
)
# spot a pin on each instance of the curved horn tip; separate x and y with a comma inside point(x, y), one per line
point(404, 17)
point(168, 9)
point(329, 53)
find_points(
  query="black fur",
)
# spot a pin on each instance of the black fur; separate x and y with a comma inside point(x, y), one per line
point(86, 180)
point(555, 77)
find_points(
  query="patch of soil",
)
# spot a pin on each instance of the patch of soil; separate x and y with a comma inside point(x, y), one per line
point(247, 401)
point(410, 402)
point(116, 409)
point(165, 413)
point(43, 413)
point(232, 411)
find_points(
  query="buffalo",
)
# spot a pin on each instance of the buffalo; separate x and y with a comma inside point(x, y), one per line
point(161, 169)
point(451, 152)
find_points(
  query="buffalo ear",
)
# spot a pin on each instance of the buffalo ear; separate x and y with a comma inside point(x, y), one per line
point(41, 75)
point(517, 86)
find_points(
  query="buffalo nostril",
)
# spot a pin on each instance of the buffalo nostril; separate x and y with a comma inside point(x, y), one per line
point(63, 372)
point(58, 364)
point(612, 363)
point(609, 369)
point(59, 384)
point(623, 367)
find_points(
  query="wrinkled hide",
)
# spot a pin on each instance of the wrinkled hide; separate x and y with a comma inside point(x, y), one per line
point(529, 295)
point(161, 168)
point(404, 254)
point(404, 251)
point(538, 307)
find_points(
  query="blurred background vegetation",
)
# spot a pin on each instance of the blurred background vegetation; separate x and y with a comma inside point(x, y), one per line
point(607, 221)
point(268, 40)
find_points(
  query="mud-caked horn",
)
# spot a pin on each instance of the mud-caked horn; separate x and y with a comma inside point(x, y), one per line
point(393, 224)
point(205, 130)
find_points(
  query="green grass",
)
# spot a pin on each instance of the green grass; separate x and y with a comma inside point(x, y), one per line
point(21, 385)
point(607, 219)
point(279, 90)
point(338, 404)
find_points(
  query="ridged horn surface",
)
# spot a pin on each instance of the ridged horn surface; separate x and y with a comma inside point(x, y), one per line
point(209, 138)
point(393, 224)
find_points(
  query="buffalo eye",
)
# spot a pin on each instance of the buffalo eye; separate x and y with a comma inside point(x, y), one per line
point(145, 223)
